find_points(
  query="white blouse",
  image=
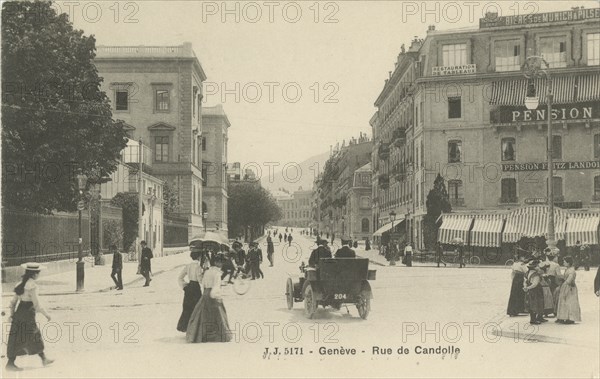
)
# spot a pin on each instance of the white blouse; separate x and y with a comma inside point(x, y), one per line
point(193, 271)
point(212, 279)
point(30, 294)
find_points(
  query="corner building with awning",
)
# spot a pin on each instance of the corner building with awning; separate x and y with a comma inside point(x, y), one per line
point(471, 126)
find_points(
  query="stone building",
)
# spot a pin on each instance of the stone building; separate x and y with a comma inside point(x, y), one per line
point(296, 208)
point(157, 92)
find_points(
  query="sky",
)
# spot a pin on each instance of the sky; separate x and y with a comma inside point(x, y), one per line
point(294, 77)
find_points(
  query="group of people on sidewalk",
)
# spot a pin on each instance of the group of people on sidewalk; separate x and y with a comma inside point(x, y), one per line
point(145, 266)
point(539, 287)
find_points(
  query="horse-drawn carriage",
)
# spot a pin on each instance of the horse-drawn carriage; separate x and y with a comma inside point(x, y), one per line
point(336, 281)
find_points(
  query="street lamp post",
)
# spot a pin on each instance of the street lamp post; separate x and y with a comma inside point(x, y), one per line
point(392, 253)
point(204, 218)
point(80, 273)
point(343, 226)
point(536, 66)
point(408, 231)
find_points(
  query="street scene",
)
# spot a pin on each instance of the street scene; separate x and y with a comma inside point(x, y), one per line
point(300, 189)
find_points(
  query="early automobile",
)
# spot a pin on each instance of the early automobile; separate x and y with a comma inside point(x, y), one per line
point(335, 282)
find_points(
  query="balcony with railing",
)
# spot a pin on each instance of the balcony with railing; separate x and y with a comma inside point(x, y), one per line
point(384, 151)
point(399, 137)
point(130, 155)
point(383, 180)
point(181, 51)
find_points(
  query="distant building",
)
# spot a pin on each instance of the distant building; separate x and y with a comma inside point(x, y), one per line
point(358, 207)
point(296, 208)
point(215, 125)
point(157, 92)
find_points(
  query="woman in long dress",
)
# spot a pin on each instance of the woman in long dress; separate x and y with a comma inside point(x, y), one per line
point(568, 299)
point(208, 322)
point(548, 299)
point(516, 300)
point(192, 292)
point(25, 337)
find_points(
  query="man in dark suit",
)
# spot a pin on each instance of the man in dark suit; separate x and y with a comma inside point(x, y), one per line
point(322, 251)
point(345, 251)
point(117, 267)
point(254, 260)
point(145, 264)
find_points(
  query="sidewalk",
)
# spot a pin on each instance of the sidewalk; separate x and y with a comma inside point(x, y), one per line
point(97, 278)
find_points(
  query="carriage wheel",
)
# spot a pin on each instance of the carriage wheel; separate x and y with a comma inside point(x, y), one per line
point(310, 303)
point(289, 293)
point(364, 304)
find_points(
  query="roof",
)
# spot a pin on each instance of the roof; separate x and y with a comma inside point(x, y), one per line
point(216, 111)
point(365, 168)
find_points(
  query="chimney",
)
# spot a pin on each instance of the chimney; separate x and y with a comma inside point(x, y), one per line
point(389, 74)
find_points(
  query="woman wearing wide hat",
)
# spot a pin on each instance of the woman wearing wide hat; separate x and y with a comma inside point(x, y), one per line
point(516, 300)
point(192, 293)
point(25, 337)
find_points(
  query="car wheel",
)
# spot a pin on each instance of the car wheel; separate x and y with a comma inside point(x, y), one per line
point(364, 304)
point(310, 303)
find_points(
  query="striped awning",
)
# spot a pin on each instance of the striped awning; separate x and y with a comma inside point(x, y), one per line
point(487, 230)
point(587, 88)
point(388, 226)
point(533, 222)
point(512, 92)
point(582, 227)
point(455, 226)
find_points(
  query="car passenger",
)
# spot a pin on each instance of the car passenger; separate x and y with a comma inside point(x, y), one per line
point(322, 251)
point(345, 251)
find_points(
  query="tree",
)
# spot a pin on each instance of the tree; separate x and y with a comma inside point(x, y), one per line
point(437, 203)
point(170, 199)
point(55, 118)
point(128, 201)
point(250, 206)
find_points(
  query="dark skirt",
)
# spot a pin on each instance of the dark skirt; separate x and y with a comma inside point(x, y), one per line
point(192, 294)
point(208, 322)
point(25, 337)
point(535, 297)
point(516, 301)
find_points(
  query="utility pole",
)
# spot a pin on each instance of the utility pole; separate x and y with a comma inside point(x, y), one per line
point(140, 203)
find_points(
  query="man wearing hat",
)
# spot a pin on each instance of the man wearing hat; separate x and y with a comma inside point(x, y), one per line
point(322, 251)
point(345, 251)
point(145, 264)
point(254, 259)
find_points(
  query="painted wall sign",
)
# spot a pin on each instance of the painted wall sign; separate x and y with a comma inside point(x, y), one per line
point(560, 112)
point(540, 166)
point(494, 20)
point(453, 70)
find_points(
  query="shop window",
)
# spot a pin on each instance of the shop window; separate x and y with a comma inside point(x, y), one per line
point(509, 152)
point(454, 151)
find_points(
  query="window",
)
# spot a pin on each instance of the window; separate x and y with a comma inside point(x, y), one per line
point(508, 149)
point(593, 49)
point(597, 188)
point(121, 100)
point(454, 151)
point(364, 225)
point(455, 190)
point(454, 107)
point(161, 149)
point(454, 55)
point(162, 100)
point(556, 147)
point(554, 51)
point(194, 199)
point(508, 190)
point(557, 188)
point(203, 143)
point(204, 176)
point(195, 91)
point(507, 54)
point(365, 202)
point(597, 146)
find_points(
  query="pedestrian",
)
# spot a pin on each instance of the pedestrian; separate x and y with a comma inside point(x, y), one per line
point(332, 238)
point(585, 257)
point(290, 238)
point(145, 263)
point(568, 299)
point(345, 251)
point(240, 258)
point(355, 244)
point(460, 253)
point(280, 237)
point(516, 300)
point(535, 294)
point(25, 337)
point(576, 255)
point(408, 251)
point(228, 267)
point(554, 277)
point(270, 251)
point(117, 267)
point(597, 283)
point(439, 249)
point(285, 236)
point(367, 244)
point(191, 289)
point(208, 322)
point(254, 260)
point(548, 299)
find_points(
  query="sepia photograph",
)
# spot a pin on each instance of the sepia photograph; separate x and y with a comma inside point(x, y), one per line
point(300, 189)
